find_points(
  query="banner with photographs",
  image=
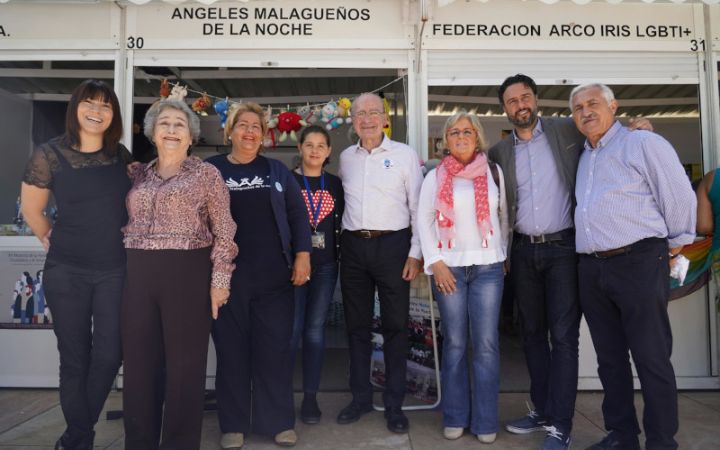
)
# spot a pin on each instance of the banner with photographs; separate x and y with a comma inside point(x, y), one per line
point(22, 295)
point(421, 379)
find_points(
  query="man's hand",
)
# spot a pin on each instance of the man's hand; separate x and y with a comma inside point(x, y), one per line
point(218, 298)
point(673, 253)
point(640, 123)
point(411, 269)
point(301, 269)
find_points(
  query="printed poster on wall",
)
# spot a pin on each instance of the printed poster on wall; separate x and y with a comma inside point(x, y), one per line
point(22, 296)
point(420, 379)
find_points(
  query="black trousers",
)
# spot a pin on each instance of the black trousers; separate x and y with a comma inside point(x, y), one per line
point(165, 333)
point(624, 299)
point(85, 305)
point(368, 264)
point(254, 379)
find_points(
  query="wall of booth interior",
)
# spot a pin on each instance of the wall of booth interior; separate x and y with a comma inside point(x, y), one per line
point(619, 44)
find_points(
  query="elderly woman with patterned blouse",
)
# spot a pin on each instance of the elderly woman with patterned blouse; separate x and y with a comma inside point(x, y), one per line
point(180, 252)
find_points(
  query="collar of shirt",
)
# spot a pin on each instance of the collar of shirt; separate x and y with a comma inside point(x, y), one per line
point(537, 131)
point(607, 137)
point(189, 163)
point(384, 145)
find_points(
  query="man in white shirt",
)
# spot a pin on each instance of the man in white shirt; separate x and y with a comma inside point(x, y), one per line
point(382, 180)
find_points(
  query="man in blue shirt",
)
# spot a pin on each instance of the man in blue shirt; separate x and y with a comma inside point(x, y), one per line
point(635, 211)
point(539, 160)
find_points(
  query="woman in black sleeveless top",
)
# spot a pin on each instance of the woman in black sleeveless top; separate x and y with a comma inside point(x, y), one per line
point(85, 169)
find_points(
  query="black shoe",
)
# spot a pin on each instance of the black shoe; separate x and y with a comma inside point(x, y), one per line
point(352, 412)
point(310, 411)
point(612, 441)
point(85, 444)
point(397, 422)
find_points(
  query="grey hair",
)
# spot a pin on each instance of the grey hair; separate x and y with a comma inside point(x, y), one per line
point(171, 103)
point(474, 121)
point(365, 96)
point(606, 92)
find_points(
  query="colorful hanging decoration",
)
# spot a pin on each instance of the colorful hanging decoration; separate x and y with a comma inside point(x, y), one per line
point(179, 92)
point(343, 106)
point(309, 115)
point(201, 104)
point(387, 129)
point(164, 88)
point(221, 108)
point(287, 123)
point(329, 116)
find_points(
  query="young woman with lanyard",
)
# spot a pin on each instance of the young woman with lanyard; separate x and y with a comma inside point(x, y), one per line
point(323, 196)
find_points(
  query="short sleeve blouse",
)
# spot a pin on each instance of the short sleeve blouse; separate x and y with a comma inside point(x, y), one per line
point(44, 163)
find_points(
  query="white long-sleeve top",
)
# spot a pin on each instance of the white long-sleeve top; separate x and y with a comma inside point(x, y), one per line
point(467, 249)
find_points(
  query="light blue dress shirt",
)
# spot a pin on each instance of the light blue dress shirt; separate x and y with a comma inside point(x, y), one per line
point(632, 187)
point(543, 200)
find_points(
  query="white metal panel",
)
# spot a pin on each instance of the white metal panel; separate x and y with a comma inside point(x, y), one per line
point(38, 26)
point(282, 58)
point(466, 67)
point(271, 24)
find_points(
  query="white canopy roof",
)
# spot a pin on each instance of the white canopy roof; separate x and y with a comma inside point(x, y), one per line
point(440, 3)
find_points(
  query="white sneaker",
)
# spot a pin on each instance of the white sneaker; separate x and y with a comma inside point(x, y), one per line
point(487, 438)
point(453, 433)
point(232, 441)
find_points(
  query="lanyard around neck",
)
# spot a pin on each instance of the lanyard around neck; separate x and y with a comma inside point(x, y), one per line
point(314, 211)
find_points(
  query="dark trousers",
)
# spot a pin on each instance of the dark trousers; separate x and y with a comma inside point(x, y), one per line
point(546, 287)
point(368, 264)
point(253, 383)
point(624, 299)
point(165, 333)
point(85, 305)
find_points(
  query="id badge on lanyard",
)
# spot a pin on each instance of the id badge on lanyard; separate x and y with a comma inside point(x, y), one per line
point(318, 237)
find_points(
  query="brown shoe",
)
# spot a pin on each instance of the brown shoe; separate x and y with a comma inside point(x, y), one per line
point(286, 438)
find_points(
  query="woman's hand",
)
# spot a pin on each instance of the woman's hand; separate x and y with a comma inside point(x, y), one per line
point(218, 298)
point(45, 241)
point(301, 269)
point(132, 168)
point(444, 279)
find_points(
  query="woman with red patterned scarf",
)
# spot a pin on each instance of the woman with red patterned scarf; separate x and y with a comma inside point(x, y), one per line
point(462, 222)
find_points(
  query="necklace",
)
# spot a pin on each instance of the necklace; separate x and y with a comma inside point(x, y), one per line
point(237, 161)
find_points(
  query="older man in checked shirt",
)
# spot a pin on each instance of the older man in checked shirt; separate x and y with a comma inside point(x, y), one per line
point(635, 211)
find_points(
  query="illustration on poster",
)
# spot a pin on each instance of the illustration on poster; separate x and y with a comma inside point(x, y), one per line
point(29, 305)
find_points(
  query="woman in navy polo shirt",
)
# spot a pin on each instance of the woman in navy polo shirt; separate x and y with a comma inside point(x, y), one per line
point(252, 334)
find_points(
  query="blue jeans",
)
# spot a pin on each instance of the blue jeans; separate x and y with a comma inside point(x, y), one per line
point(474, 305)
point(312, 302)
point(546, 287)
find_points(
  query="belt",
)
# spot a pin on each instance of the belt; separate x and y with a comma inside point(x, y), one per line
point(543, 238)
point(369, 234)
point(610, 253)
